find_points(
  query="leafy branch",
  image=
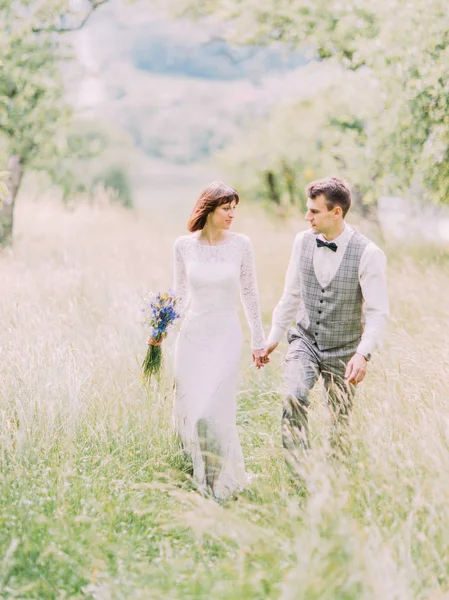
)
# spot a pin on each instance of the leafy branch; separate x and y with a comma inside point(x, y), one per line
point(93, 6)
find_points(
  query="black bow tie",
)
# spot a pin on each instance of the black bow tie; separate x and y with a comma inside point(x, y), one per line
point(331, 245)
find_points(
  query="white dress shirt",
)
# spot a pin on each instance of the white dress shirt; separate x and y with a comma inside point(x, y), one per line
point(372, 278)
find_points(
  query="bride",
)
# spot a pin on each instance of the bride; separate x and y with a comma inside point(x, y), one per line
point(211, 266)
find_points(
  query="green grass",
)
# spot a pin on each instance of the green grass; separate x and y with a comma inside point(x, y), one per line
point(96, 499)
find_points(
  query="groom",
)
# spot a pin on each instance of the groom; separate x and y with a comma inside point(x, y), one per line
point(336, 287)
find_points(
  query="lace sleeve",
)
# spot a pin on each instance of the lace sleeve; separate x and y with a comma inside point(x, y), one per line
point(180, 278)
point(250, 296)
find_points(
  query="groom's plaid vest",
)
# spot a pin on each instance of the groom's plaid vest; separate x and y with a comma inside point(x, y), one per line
point(332, 315)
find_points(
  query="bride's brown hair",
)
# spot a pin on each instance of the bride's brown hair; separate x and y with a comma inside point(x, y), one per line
point(216, 194)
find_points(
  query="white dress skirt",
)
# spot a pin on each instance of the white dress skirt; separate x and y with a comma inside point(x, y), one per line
point(208, 283)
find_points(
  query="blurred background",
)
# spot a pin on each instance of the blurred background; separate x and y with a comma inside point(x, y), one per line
point(136, 100)
point(114, 114)
point(150, 100)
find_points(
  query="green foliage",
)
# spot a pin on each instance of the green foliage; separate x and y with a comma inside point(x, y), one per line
point(328, 133)
point(32, 112)
point(34, 115)
point(115, 180)
point(402, 46)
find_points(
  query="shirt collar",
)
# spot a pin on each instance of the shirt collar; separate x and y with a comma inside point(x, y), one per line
point(342, 238)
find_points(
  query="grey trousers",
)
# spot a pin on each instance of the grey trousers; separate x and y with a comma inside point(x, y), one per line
point(304, 364)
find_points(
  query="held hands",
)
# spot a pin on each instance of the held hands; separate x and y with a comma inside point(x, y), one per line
point(257, 356)
point(261, 357)
point(355, 370)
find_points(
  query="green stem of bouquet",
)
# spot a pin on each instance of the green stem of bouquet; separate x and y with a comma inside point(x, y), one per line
point(152, 363)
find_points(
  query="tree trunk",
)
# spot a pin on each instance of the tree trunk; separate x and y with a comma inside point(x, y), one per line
point(272, 187)
point(290, 183)
point(368, 211)
point(15, 168)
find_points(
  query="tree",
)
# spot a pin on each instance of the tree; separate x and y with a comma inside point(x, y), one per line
point(403, 46)
point(3, 188)
point(325, 133)
point(115, 181)
point(33, 112)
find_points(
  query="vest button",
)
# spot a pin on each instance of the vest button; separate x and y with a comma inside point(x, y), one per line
point(322, 291)
point(317, 322)
point(320, 311)
point(321, 301)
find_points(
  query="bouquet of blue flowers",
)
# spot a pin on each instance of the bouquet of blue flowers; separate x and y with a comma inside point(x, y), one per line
point(160, 313)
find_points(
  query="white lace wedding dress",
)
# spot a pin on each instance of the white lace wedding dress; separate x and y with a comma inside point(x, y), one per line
point(208, 280)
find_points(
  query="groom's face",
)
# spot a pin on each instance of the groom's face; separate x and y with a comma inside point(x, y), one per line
point(319, 216)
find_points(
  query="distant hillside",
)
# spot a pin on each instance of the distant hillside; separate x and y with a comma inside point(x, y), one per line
point(179, 91)
point(214, 59)
point(157, 44)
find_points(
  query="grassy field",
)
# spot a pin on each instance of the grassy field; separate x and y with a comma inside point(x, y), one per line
point(95, 502)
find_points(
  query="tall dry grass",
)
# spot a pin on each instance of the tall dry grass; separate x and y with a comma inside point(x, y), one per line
point(96, 501)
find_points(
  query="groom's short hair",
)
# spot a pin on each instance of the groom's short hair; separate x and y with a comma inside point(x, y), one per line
point(336, 191)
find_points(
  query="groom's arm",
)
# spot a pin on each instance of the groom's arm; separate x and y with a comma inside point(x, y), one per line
point(373, 282)
point(288, 305)
point(376, 310)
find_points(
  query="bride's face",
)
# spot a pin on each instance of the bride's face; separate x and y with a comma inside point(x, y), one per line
point(223, 215)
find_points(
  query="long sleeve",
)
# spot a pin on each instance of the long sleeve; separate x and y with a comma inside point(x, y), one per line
point(180, 278)
point(250, 296)
point(290, 301)
point(373, 281)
